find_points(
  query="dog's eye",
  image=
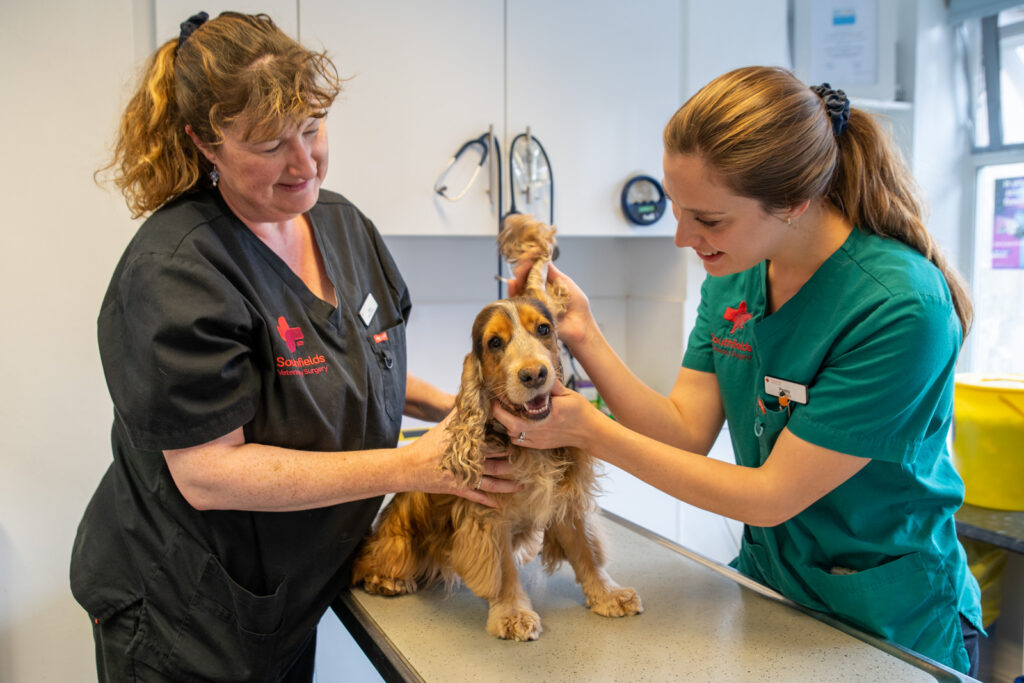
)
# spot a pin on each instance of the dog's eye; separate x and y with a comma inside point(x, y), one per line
point(494, 342)
point(543, 329)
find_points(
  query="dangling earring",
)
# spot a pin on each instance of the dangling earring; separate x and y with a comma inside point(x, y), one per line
point(214, 176)
point(789, 221)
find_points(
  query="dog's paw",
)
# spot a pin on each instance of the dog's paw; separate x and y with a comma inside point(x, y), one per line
point(382, 585)
point(512, 623)
point(618, 602)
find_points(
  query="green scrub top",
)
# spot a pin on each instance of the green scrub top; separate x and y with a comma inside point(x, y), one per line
point(874, 338)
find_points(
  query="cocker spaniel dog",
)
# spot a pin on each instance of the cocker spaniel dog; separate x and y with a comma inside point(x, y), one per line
point(423, 539)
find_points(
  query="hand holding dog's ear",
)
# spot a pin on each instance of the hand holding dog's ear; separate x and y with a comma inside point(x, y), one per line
point(574, 323)
point(518, 281)
point(577, 322)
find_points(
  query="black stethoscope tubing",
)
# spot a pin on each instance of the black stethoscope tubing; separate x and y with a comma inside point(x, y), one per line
point(482, 142)
point(501, 219)
point(443, 189)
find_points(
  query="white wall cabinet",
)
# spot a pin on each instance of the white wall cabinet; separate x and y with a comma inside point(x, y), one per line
point(424, 78)
point(595, 81)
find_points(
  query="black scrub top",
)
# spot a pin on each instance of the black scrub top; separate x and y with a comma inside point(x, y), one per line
point(203, 330)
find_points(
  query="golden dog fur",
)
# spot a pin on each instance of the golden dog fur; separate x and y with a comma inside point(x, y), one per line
point(423, 539)
point(524, 239)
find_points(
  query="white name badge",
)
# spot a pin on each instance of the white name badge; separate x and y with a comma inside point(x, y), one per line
point(785, 389)
point(368, 309)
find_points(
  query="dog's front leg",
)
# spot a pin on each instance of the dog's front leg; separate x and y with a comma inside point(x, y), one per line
point(579, 541)
point(388, 561)
point(482, 555)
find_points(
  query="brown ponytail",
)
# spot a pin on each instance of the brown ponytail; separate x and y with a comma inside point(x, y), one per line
point(770, 138)
point(153, 159)
point(875, 190)
point(236, 67)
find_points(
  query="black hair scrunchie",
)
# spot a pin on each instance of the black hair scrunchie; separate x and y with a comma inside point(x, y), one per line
point(189, 26)
point(837, 106)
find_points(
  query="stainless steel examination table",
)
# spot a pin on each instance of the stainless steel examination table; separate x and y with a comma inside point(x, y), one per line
point(702, 621)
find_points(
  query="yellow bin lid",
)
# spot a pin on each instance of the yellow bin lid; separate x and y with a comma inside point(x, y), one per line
point(988, 432)
point(1002, 383)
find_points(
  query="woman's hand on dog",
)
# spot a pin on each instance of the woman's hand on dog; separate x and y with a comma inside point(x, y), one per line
point(429, 477)
point(568, 425)
point(576, 324)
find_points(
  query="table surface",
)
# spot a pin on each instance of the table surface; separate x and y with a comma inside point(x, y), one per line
point(1003, 528)
point(702, 621)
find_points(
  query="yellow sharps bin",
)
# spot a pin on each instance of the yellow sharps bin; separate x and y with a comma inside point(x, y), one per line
point(988, 439)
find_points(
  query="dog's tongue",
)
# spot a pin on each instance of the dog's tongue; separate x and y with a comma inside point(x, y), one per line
point(538, 403)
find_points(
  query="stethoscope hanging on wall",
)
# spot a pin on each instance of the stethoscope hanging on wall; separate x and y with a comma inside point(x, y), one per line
point(481, 145)
point(488, 148)
point(531, 181)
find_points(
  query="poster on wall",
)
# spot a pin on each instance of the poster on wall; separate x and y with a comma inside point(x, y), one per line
point(1008, 224)
point(850, 44)
point(844, 42)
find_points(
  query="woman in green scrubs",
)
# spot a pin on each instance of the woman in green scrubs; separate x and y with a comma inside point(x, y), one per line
point(827, 336)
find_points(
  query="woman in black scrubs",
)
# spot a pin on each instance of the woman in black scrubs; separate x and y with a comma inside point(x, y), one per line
point(253, 342)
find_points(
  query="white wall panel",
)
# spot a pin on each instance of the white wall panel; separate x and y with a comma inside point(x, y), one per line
point(424, 78)
point(596, 81)
point(168, 14)
point(721, 36)
point(64, 77)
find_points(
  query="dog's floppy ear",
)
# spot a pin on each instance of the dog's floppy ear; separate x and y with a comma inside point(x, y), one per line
point(464, 455)
point(524, 237)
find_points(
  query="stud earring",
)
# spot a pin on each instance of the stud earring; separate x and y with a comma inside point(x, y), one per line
point(214, 176)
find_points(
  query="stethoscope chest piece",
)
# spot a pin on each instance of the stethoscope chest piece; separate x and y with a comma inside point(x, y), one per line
point(643, 200)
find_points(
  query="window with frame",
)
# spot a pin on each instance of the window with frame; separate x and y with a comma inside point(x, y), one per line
point(992, 35)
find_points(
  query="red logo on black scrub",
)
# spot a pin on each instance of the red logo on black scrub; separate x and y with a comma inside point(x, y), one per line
point(292, 336)
point(737, 316)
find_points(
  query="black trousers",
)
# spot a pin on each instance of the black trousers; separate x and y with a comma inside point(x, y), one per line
point(972, 643)
point(114, 665)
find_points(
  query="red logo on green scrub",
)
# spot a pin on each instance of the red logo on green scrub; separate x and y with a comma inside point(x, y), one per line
point(292, 336)
point(737, 316)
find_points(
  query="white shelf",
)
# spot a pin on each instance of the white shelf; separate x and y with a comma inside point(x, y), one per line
point(881, 105)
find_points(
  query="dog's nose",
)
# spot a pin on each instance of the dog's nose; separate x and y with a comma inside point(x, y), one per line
point(533, 377)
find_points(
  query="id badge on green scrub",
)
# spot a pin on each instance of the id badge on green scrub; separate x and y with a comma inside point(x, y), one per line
point(786, 391)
